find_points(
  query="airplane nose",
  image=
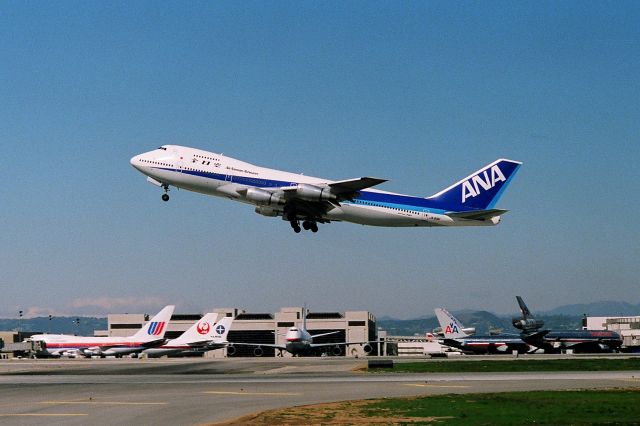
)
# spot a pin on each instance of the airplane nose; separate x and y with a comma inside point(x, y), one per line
point(135, 162)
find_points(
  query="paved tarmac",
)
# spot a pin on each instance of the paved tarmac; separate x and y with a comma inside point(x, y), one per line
point(197, 391)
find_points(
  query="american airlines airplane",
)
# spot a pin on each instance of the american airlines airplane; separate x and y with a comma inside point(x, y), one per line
point(204, 335)
point(151, 334)
point(456, 336)
point(556, 341)
point(298, 198)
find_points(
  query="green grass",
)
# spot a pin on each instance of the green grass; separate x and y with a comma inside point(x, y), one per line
point(613, 407)
point(519, 365)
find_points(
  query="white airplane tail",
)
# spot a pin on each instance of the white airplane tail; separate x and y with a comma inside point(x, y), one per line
point(199, 331)
point(156, 327)
point(451, 327)
point(221, 329)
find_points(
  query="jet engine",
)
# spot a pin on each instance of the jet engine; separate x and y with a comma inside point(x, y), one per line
point(367, 348)
point(527, 324)
point(262, 197)
point(267, 211)
point(314, 193)
point(337, 350)
point(258, 351)
point(231, 350)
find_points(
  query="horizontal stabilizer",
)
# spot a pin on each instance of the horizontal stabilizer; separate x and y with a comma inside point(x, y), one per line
point(477, 214)
point(352, 185)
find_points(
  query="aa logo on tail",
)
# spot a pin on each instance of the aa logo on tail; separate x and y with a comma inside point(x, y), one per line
point(155, 328)
point(451, 328)
point(482, 181)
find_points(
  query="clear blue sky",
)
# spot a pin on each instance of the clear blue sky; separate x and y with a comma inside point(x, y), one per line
point(420, 93)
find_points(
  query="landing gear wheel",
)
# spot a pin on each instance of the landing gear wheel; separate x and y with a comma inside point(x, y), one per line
point(314, 227)
point(295, 226)
point(165, 197)
point(306, 225)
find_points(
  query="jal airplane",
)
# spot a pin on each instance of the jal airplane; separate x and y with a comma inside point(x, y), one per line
point(151, 334)
point(456, 337)
point(204, 335)
point(300, 342)
point(307, 200)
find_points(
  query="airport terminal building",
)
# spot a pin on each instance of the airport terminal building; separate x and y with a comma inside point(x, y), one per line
point(268, 328)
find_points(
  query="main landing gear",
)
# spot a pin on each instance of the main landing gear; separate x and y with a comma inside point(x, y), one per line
point(165, 196)
point(308, 225)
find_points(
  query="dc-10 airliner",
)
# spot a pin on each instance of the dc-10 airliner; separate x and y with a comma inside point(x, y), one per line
point(298, 198)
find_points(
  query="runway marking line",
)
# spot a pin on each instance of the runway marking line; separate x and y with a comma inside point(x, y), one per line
point(426, 385)
point(103, 402)
point(254, 393)
point(42, 414)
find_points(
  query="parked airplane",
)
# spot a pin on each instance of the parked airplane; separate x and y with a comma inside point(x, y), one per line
point(300, 342)
point(455, 337)
point(295, 197)
point(585, 341)
point(151, 334)
point(204, 335)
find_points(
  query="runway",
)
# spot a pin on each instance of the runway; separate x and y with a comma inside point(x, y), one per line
point(188, 391)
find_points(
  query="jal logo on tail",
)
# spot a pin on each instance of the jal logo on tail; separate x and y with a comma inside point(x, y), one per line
point(482, 182)
point(203, 328)
point(451, 328)
point(155, 328)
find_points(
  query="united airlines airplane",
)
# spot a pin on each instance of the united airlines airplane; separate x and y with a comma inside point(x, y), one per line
point(309, 200)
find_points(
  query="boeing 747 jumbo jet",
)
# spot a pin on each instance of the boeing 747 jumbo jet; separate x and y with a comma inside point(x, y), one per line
point(299, 341)
point(151, 334)
point(298, 198)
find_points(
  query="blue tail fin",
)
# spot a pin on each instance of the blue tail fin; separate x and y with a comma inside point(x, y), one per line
point(480, 190)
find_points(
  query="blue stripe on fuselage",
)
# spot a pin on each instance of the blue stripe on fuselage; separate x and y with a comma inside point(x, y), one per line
point(377, 199)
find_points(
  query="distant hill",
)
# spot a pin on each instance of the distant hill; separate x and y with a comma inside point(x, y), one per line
point(595, 309)
point(65, 325)
point(484, 322)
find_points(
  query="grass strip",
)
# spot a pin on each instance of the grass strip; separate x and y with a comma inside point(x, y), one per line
point(585, 407)
point(516, 365)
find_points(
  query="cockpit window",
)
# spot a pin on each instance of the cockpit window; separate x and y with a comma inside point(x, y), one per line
point(163, 148)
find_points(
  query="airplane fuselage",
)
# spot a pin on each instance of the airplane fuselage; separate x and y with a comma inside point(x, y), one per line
point(271, 191)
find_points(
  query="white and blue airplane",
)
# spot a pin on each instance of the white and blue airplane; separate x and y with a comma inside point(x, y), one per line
point(311, 200)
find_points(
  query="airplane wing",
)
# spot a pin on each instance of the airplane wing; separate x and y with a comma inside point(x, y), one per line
point(266, 345)
point(320, 345)
point(325, 334)
point(477, 214)
point(354, 185)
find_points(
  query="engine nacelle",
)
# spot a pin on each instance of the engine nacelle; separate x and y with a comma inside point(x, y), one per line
point(231, 350)
point(262, 197)
point(528, 324)
point(469, 330)
point(267, 211)
point(258, 351)
point(337, 350)
point(367, 348)
point(314, 193)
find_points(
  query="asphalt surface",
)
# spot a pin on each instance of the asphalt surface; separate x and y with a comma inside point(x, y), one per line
point(196, 391)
